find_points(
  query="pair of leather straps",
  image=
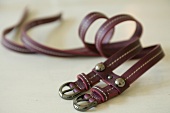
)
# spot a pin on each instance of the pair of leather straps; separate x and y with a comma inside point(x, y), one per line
point(117, 53)
point(101, 47)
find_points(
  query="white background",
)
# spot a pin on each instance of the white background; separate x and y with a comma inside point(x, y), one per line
point(30, 83)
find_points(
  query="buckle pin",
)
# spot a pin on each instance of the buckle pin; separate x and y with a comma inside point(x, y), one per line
point(83, 107)
point(67, 96)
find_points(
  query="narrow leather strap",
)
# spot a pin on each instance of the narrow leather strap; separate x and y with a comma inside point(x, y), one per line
point(30, 46)
point(108, 25)
point(144, 64)
point(88, 50)
point(118, 84)
point(12, 45)
point(101, 47)
point(112, 90)
point(96, 49)
point(84, 26)
point(132, 48)
point(117, 53)
point(115, 85)
point(35, 46)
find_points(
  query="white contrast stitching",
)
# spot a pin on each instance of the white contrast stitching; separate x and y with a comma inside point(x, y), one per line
point(123, 55)
point(14, 47)
point(83, 26)
point(101, 91)
point(109, 90)
point(93, 76)
point(78, 86)
point(86, 80)
point(100, 33)
point(143, 65)
point(42, 50)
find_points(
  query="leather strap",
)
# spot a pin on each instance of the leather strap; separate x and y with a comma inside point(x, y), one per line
point(12, 45)
point(101, 47)
point(117, 53)
point(102, 94)
point(123, 51)
point(111, 90)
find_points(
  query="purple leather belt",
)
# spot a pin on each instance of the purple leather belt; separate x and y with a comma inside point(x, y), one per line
point(117, 53)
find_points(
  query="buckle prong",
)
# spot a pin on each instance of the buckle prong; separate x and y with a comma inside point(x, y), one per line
point(67, 96)
point(83, 107)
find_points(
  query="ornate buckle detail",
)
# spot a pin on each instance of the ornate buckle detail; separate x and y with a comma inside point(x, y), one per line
point(67, 96)
point(83, 107)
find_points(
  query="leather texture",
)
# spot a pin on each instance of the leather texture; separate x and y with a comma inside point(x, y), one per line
point(117, 53)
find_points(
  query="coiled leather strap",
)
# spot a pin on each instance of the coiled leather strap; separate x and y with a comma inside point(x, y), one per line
point(116, 84)
point(117, 53)
point(101, 47)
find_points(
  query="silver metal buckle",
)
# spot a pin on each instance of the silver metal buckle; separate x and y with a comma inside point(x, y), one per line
point(67, 96)
point(80, 107)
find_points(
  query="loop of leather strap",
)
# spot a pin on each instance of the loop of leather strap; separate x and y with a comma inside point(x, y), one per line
point(117, 53)
point(101, 47)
